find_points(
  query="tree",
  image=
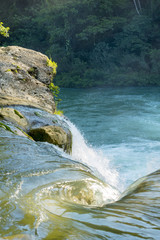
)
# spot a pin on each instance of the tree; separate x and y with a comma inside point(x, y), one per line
point(95, 43)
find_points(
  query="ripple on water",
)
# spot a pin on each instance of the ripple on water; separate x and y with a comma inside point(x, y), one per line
point(87, 192)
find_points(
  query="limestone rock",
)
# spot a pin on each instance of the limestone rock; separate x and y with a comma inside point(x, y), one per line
point(24, 78)
point(14, 116)
point(53, 134)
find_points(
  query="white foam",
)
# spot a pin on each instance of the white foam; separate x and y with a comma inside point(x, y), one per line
point(93, 158)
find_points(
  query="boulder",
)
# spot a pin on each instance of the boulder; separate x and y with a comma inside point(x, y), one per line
point(53, 134)
point(14, 116)
point(24, 78)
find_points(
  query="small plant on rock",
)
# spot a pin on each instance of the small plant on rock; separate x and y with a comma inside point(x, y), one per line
point(53, 65)
point(54, 89)
point(4, 30)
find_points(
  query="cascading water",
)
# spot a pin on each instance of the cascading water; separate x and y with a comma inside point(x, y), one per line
point(49, 194)
point(92, 182)
point(98, 163)
point(92, 157)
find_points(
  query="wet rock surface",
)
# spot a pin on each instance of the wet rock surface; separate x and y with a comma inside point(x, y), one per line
point(14, 116)
point(18, 237)
point(37, 125)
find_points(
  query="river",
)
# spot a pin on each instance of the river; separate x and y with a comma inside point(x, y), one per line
point(109, 188)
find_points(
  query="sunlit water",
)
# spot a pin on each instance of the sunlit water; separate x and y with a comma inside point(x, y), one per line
point(123, 124)
point(47, 194)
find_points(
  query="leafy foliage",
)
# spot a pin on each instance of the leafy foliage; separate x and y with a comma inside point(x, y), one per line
point(4, 30)
point(55, 91)
point(95, 43)
point(53, 65)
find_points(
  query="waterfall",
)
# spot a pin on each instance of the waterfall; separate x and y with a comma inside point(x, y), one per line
point(91, 157)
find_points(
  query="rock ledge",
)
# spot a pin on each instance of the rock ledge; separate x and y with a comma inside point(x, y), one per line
point(24, 78)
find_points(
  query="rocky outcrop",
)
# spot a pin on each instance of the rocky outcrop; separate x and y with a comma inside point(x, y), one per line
point(14, 116)
point(57, 134)
point(24, 78)
point(53, 134)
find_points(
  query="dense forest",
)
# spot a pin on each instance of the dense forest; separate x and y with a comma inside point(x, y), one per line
point(95, 42)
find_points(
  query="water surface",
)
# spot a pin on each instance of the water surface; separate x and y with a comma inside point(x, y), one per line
point(123, 123)
point(49, 194)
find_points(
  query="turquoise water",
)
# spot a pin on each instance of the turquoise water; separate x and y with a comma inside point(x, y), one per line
point(48, 194)
point(123, 123)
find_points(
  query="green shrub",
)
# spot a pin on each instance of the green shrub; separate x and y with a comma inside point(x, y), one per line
point(4, 30)
point(53, 65)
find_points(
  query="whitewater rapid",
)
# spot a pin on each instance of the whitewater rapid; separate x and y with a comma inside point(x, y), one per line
point(96, 161)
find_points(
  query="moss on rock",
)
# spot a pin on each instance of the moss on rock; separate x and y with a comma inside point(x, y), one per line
point(14, 116)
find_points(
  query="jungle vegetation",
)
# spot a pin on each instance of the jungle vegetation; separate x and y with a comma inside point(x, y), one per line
point(95, 42)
